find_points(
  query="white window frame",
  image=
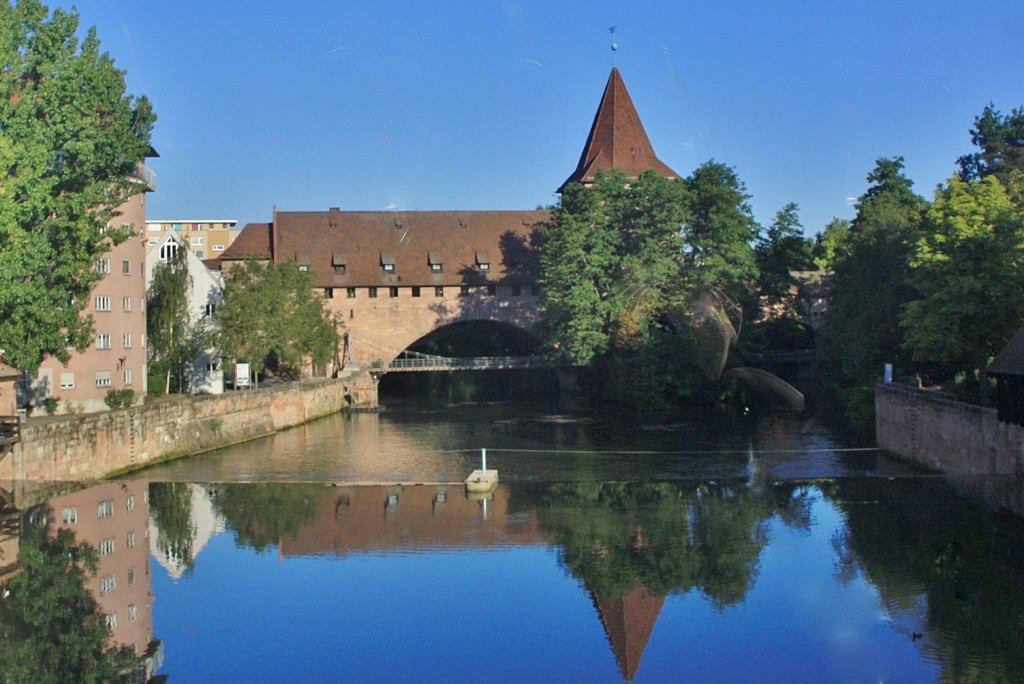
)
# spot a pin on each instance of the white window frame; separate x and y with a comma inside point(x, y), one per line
point(103, 379)
point(69, 515)
point(102, 303)
point(127, 377)
point(105, 509)
point(102, 340)
point(126, 303)
point(67, 381)
point(126, 340)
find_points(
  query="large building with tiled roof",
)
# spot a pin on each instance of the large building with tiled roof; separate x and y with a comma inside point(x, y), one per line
point(392, 277)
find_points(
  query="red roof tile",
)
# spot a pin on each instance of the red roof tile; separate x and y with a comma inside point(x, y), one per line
point(352, 249)
point(617, 139)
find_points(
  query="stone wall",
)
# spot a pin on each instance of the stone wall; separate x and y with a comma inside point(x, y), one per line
point(946, 435)
point(97, 445)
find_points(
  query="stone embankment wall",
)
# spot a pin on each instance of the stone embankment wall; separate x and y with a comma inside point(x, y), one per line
point(946, 435)
point(98, 445)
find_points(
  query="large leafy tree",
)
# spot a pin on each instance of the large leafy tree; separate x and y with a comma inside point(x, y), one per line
point(967, 267)
point(780, 250)
point(872, 269)
point(829, 243)
point(610, 263)
point(51, 628)
point(271, 311)
point(70, 138)
point(1000, 140)
point(720, 230)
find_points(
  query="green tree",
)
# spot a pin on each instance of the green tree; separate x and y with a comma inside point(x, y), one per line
point(173, 340)
point(967, 267)
point(872, 270)
point(782, 249)
point(1001, 142)
point(829, 243)
point(610, 264)
point(271, 311)
point(51, 628)
point(70, 139)
point(720, 230)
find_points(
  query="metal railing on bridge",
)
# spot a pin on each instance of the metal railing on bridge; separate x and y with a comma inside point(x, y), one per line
point(414, 361)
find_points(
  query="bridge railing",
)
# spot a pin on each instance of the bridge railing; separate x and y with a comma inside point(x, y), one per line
point(428, 363)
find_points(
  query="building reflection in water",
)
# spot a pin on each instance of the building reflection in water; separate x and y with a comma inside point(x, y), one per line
point(113, 518)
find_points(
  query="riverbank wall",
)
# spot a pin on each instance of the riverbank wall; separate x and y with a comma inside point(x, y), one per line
point(978, 454)
point(99, 445)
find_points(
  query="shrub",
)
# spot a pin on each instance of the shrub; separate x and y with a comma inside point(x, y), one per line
point(50, 405)
point(117, 399)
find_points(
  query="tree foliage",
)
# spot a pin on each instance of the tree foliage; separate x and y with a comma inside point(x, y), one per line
point(830, 243)
point(174, 340)
point(780, 250)
point(51, 628)
point(720, 230)
point(70, 138)
point(610, 263)
point(872, 270)
point(967, 267)
point(641, 279)
point(1000, 140)
point(270, 310)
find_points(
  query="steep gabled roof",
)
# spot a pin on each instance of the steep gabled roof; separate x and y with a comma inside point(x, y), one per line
point(617, 139)
point(628, 621)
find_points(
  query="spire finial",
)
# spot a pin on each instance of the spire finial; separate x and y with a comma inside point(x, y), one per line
point(615, 46)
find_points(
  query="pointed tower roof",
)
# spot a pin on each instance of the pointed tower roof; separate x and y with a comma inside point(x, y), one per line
point(617, 139)
point(628, 621)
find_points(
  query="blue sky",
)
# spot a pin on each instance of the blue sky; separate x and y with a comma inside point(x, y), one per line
point(486, 104)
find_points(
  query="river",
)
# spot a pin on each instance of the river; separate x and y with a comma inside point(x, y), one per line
point(717, 548)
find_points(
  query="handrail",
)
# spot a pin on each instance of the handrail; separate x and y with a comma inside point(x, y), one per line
point(10, 429)
point(423, 362)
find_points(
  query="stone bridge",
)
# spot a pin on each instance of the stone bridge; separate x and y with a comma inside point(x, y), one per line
point(377, 331)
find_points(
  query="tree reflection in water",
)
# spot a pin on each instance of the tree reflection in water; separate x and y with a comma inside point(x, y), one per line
point(51, 627)
point(949, 574)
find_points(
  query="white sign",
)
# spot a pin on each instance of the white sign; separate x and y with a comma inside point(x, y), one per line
point(241, 376)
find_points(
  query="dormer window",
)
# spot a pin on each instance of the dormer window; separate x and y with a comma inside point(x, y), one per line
point(302, 259)
point(387, 262)
point(434, 259)
point(483, 262)
point(338, 261)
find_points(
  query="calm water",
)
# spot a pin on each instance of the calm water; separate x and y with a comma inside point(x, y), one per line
point(708, 551)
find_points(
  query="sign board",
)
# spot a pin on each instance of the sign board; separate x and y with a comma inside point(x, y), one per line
point(241, 376)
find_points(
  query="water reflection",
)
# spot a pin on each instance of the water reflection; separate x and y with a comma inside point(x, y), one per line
point(949, 589)
point(685, 552)
point(76, 583)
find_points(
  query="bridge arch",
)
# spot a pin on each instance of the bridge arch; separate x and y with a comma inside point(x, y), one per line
point(376, 331)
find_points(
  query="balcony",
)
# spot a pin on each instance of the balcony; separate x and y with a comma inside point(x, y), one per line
point(146, 175)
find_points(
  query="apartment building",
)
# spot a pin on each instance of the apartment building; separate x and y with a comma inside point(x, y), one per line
point(207, 238)
point(116, 359)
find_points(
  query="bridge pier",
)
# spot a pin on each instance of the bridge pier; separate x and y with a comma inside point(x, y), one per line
point(361, 390)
